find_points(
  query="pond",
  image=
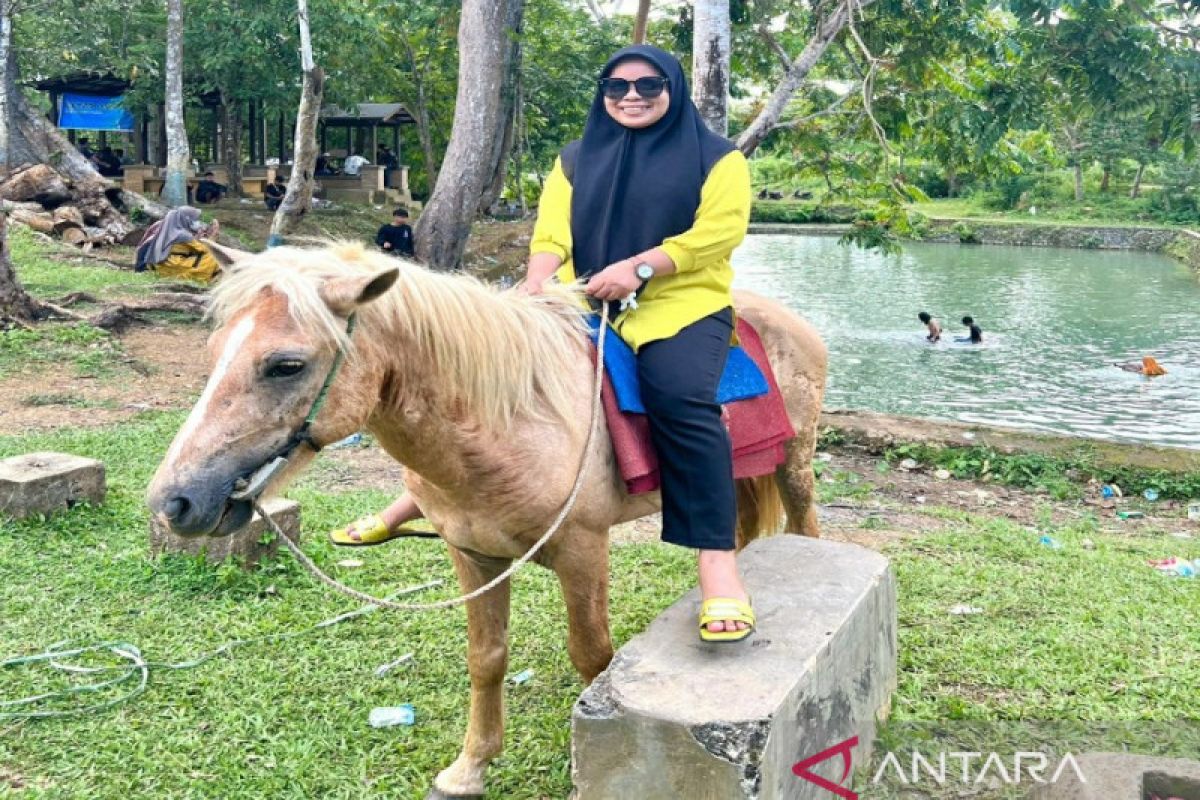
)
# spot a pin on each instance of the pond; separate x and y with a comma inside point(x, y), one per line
point(1054, 321)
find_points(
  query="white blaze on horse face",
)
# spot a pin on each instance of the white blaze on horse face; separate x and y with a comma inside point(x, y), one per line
point(233, 345)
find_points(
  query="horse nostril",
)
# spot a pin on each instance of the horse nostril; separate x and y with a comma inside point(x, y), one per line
point(177, 508)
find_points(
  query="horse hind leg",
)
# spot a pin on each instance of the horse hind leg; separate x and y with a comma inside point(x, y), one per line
point(487, 659)
point(797, 485)
point(582, 570)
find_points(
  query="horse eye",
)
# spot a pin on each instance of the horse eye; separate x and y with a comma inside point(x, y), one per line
point(286, 368)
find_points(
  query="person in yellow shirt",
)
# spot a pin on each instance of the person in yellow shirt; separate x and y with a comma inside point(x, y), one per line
point(651, 204)
point(171, 247)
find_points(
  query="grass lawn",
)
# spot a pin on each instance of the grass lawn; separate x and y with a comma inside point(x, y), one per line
point(1065, 634)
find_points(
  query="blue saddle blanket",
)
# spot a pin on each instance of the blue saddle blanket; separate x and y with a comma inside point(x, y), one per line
point(741, 380)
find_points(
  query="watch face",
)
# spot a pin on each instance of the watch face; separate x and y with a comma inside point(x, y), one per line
point(644, 272)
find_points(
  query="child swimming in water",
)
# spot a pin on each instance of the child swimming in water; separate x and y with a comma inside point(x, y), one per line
point(976, 333)
point(935, 330)
point(1148, 366)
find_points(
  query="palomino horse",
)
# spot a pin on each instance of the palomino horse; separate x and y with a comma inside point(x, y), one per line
point(485, 397)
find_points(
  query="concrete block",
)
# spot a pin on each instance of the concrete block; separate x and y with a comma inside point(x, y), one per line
point(673, 717)
point(41, 483)
point(248, 546)
point(1123, 776)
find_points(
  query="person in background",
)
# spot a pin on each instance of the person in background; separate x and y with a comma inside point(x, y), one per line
point(274, 191)
point(354, 164)
point(935, 330)
point(171, 248)
point(85, 148)
point(323, 167)
point(975, 333)
point(107, 163)
point(388, 160)
point(123, 159)
point(208, 190)
point(396, 237)
point(1148, 366)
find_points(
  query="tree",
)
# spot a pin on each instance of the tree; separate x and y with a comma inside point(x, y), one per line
point(710, 62)
point(179, 155)
point(484, 47)
point(298, 199)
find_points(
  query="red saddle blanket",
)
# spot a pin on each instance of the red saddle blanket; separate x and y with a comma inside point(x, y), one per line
point(758, 427)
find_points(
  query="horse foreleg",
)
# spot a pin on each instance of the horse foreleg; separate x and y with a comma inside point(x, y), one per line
point(487, 659)
point(582, 570)
point(797, 487)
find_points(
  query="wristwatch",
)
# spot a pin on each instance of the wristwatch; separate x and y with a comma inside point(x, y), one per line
point(644, 272)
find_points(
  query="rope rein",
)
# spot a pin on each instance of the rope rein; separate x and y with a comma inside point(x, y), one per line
point(568, 505)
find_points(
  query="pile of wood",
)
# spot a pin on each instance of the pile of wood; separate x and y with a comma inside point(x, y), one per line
point(86, 214)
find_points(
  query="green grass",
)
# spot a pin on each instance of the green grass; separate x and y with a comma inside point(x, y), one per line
point(91, 352)
point(47, 277)
point(1072, 634)
point(276, 720)
point(1107, 210)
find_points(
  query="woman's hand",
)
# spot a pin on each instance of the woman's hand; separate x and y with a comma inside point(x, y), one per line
point(614, 282)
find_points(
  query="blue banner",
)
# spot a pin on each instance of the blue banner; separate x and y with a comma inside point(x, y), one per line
point(93, 112)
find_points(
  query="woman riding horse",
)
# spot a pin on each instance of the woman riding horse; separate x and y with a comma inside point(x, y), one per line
point(654, 208)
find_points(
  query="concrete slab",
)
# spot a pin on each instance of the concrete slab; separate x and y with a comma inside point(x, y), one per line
point(248, 546)
point(673, 717)
point(42, 483)
point(1124, 776)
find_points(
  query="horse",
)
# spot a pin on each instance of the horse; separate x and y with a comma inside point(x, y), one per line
point(484, 397)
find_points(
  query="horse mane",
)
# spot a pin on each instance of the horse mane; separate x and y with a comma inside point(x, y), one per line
point(502, 354)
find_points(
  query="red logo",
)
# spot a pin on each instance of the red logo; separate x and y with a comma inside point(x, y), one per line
point(802, 768)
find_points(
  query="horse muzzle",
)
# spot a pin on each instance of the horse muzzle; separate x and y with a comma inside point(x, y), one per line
point(200, 511)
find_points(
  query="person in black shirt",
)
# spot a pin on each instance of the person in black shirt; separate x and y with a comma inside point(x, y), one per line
point(976, 336)
point(274, 192)
point(208, 190)
point(396, 237)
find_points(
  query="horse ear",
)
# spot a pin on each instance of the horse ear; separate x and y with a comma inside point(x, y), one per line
point(343, 295)
point(225, 256)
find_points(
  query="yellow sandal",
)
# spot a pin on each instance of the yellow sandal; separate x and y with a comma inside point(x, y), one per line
point(725, 609)
point(371, 530)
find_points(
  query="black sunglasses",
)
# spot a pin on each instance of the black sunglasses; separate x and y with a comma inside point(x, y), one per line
point(648, 87)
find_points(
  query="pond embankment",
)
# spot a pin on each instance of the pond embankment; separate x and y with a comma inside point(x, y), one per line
point(1179, 243)
point(879, 433)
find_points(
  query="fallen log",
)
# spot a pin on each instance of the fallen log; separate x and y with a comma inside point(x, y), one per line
point(40, 221)
point(40, 183)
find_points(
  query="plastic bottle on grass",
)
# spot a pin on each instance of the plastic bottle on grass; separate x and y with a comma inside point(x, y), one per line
point(391, 716)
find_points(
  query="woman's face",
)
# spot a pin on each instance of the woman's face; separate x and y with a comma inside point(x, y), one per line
point(634, 111)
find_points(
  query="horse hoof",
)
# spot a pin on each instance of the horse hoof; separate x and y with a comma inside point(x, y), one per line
point(437, 794)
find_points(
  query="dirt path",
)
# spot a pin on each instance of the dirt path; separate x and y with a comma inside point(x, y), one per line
point(163, 367)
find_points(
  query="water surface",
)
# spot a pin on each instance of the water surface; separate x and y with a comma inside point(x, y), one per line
point(1054, 321)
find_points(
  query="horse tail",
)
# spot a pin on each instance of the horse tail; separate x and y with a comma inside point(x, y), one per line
point(759, 509)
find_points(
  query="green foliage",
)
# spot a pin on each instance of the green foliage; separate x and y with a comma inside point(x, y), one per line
point(1062, 477)
point(782, 211)
point(966, 234)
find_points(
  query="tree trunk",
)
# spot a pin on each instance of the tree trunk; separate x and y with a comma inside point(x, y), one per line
point(477, 135)
point(710, 62)
point(1104, 179)
point(231, 123)
point(298, 199)
point(508, 88)
point(640, 22)
point(424, 132)
point(1078, 181)
point(178, 154)
point(1136, 190)
point(768, 118)
point(6, 63)
point(952, 182)
point(15, 302)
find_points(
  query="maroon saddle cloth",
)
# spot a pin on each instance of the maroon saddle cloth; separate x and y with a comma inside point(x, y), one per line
point(759, 427)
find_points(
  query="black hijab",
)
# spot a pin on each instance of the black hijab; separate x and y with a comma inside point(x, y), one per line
point(633, 188)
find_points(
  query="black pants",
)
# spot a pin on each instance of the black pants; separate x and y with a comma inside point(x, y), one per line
point(679, 378)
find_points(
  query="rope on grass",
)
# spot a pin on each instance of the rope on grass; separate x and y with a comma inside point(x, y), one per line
point(63, 657)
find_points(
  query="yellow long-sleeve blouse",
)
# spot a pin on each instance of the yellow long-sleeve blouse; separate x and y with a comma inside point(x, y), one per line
point(703, 275)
